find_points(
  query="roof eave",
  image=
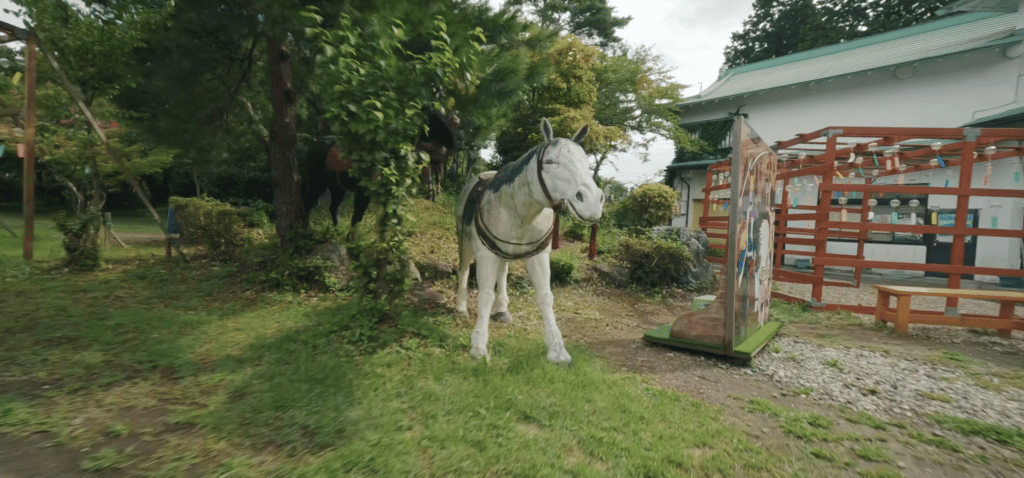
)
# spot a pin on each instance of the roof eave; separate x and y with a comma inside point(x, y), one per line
point(700, 99)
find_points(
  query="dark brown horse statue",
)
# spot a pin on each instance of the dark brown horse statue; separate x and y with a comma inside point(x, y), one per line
point(328, 168)
point(440, 143)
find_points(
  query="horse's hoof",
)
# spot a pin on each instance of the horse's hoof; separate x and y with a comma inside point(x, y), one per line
point(502, 317)
point(562, 360)
point(476, 354)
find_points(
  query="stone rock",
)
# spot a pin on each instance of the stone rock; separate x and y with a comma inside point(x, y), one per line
point(700, 272)
point(413, 273)
point(337, 255)
point(427, 298)
point(436, 270)
point(615, 276)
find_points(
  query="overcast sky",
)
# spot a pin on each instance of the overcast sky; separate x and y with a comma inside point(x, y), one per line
point(689, 35)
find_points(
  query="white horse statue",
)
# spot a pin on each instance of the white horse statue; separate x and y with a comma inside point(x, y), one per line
point(508, 215)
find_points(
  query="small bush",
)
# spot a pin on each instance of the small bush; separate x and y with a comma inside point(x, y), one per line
point(223, 229)
point(655, 262)
point(563, 269)
point(651, 205)
point(81, 243)
point(574, 230)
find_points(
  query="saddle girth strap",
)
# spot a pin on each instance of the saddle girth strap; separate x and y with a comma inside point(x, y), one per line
point(490, 241)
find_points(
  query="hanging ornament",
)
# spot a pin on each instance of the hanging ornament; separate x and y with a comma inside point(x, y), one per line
point(913, 212)
point(842, 214)
point(989, 151)
point(871, 204)
point(894, 216)
point(900, 178)
point(873, 147)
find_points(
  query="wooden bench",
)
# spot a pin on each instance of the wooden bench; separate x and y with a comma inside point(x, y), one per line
point(902, 316)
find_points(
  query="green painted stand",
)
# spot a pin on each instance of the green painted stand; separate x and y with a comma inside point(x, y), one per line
point(746, 350)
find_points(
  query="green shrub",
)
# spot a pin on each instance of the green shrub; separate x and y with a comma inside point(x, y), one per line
point(563, 269)
point(650, 205)
point(223, 229)
point(655, 261)
point(574, 229)
point(81, 242)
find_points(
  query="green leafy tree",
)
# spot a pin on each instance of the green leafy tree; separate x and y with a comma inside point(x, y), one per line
point(381, 89)
point(651, 204)
point(508, 73)
point(637, 94)
point(592, 20)
point(782, 27)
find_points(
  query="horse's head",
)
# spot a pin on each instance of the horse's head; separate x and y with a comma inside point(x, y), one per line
point(567, 177)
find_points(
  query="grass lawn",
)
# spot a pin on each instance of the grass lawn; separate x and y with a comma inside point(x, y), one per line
point(174, 369)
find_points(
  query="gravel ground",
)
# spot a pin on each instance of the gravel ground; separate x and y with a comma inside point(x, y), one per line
point(884, 385)
point(888, 385)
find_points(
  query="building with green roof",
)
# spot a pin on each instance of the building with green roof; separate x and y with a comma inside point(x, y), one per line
point(964, 69)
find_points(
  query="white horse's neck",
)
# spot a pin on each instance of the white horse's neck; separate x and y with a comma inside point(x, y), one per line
point(517, 208)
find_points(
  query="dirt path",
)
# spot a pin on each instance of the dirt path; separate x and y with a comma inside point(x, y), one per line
point(731, 385)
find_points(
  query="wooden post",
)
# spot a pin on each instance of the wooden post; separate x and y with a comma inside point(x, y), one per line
point(106, 230)
point(824, 205)
point(862, 236)
point(956, 256)
point(780, 245)
point(29, 170)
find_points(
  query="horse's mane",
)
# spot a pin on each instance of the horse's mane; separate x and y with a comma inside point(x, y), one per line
point(511, 171)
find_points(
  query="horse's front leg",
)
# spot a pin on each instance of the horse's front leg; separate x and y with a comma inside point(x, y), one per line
point(337, 196)
point(487, 265)
point(359, 206)
point(539, 268)
point(501, 300)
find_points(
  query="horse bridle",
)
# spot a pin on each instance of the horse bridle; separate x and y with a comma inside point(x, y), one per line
point(491, 241)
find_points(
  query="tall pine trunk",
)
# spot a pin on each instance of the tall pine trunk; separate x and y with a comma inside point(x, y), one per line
point(284, 168)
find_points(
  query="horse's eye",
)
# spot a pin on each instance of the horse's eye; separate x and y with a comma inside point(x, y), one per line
point(549, 161)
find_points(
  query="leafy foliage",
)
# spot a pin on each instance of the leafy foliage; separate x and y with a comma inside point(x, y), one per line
point(592, 20)
point(655, 262)
point(782, 27)
point(381, 89)
point(563, 268)
point(223, 229)
point(651, 204)
point(81, 241)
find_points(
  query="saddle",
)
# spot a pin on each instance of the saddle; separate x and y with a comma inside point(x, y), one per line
point(334, 162)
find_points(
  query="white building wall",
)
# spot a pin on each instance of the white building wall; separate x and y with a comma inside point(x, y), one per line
point(944, 93)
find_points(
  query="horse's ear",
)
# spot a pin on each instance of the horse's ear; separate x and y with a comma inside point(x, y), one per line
point(581, 134)
point(545, 128)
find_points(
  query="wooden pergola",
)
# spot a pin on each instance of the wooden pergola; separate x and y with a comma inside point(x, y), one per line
point(849, 161)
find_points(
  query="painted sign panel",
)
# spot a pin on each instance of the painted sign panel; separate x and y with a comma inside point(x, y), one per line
point(752, 233)
point(948, 219)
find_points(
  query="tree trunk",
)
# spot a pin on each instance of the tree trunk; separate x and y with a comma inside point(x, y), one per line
point(284, 168)
point(597, 167)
